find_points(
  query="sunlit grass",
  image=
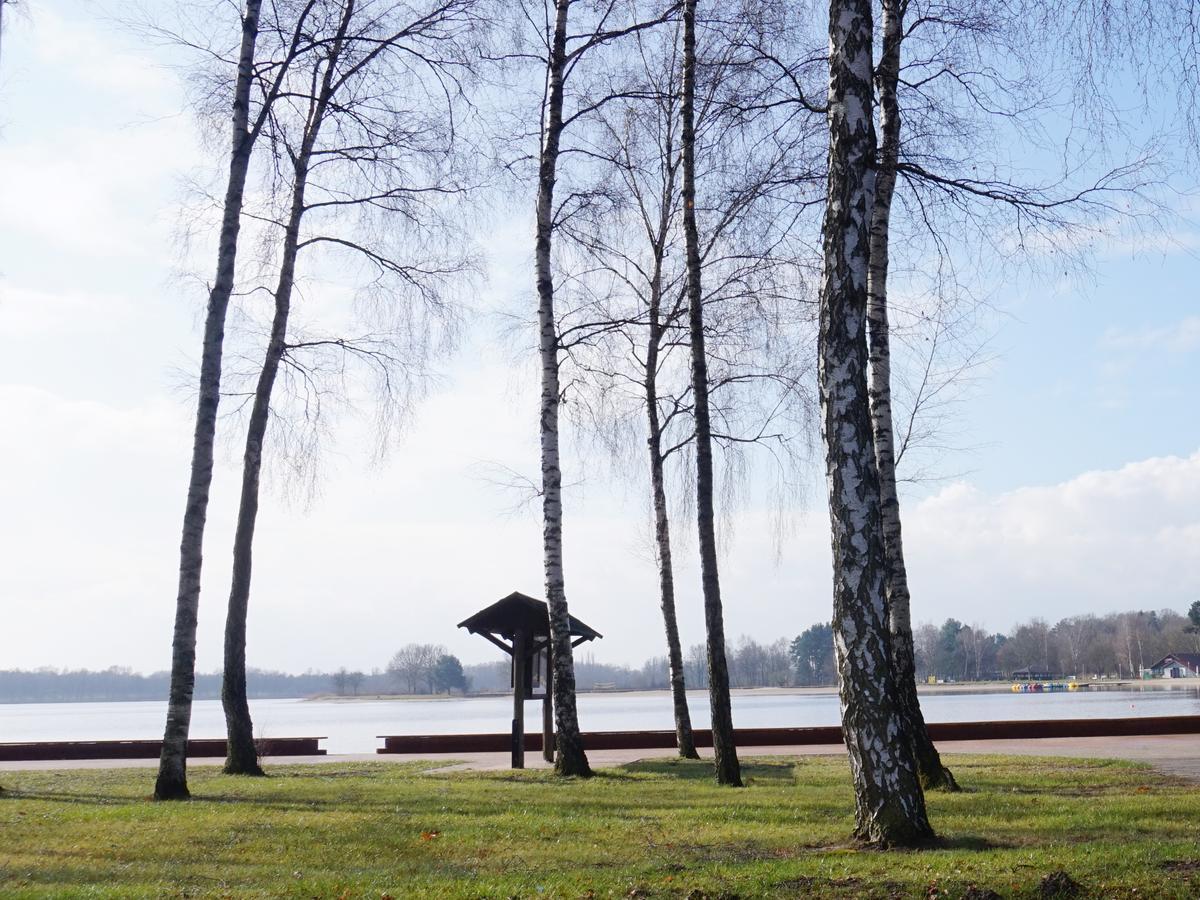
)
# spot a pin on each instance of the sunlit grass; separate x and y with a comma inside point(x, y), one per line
point(654, 829)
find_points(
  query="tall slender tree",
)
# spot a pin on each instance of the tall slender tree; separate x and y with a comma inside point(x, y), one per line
point(889, 803)
point(728, 768)
point(658, 450)
point(570, 758)
point(887, 77)
point(241, 754)
point(943, 162)
point(376, 158)
point(563, 54)
point(247, 126)
point(625, 333)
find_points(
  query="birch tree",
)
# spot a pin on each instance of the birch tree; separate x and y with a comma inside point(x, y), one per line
point(959, 101)
point(952, 86)
point(250, 113)
point(659, 312)
point(363, 132)
point(889, 803)
point(728, 768)
point(699, 307)
point(564, 52)
point(624, 334)
point(887, 75)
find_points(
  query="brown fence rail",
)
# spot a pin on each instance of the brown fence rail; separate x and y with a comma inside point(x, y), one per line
point(200, 748)
point(786, 737)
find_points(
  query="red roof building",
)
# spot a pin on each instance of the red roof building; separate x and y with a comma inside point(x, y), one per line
point(1176, 665)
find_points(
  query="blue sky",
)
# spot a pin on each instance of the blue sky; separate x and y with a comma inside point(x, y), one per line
point(1082, 492)
point(1093, 375)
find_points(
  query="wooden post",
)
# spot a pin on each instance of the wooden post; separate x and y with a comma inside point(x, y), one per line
point(548, 710)
point(520, 664)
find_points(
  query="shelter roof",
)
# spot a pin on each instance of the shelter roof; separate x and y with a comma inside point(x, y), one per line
point(520, 611)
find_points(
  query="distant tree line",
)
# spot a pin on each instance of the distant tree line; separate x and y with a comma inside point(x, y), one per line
point(427, 669)
point(1118, 645)
point(48, 685)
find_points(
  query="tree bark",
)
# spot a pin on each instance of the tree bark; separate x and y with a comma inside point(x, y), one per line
point(728, 769)
point(889, 803)
point(929, 763)
point(171, 783)
point(241, 753)
point(570, 758)
point(684, 739)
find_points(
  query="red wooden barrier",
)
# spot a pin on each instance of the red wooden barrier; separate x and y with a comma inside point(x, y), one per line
point(821, 735)
point(199, 748)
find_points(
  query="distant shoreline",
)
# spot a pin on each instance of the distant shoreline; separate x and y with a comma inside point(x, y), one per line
point(966, 687)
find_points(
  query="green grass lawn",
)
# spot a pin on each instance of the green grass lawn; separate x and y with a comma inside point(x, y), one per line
point(654, 829)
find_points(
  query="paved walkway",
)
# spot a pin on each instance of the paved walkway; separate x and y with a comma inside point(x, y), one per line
point(1173, 754)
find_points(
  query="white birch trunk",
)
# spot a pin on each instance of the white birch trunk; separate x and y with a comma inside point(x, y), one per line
point(929, 764)
point(241, 753)
point(685, 740)
point(889, 803)
point(570, 758)
point(171, 783)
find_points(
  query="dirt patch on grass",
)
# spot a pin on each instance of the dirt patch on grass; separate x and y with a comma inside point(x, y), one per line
point(738, 853)
point(980, 893)
point(850, 886)
point(1059, 884)
point(1181, 865)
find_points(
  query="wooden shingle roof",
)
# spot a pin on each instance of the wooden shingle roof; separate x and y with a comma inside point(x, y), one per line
point(520, 611)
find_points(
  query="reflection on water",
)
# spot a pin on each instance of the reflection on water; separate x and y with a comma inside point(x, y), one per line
point(352, 726)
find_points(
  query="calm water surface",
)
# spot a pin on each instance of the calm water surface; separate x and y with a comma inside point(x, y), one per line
point(353, 726)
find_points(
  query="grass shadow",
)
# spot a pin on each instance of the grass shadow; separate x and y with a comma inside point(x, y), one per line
point(67, 797)
point(972, 842)
point(702, 770)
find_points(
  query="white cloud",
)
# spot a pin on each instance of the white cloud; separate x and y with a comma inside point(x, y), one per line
point(51, 424)
point(1103, 541)
point(95, 139)
point(96, 192)
point(1179, 337)
point(31, 314)
point(93, 55)
point(403, 552)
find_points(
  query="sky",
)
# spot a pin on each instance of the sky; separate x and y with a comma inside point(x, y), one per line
point(1079, 491)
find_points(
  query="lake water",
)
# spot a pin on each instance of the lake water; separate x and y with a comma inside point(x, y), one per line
point(352, 726)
